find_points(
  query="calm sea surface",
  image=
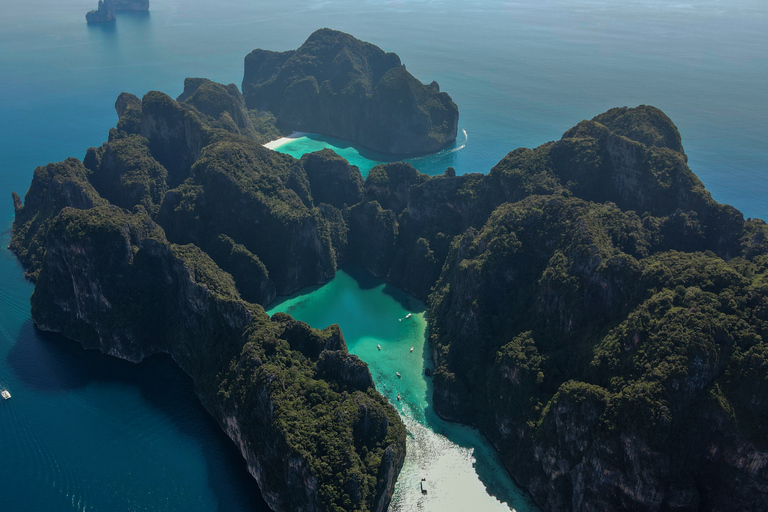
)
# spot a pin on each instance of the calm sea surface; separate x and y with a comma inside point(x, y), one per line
point(88, 432)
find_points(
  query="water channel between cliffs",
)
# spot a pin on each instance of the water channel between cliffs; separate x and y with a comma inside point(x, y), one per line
point(462, 469)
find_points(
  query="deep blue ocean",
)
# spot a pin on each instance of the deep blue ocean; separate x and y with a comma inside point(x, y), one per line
point(88, 432)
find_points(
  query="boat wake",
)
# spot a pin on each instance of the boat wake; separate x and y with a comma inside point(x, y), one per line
point(466, 138)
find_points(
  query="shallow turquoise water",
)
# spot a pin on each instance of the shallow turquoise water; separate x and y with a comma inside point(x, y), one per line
point(87, 432)
point(365, 159)
point(462, 469)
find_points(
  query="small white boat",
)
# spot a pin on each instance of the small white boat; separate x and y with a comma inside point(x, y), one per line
point(408, 315)
point(411, 349)
point(398, 374)
point(5, 394)
point(378, 347)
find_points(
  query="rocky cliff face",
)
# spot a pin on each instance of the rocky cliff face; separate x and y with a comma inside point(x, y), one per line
point(592, 310)
point(577, 321)
point(54, 187)
point(332, 180)
point(222, 104)
point(106, 9)
point(176, 134)
point(240, 223)
point(112, 281)
point(337, 85)
point(104, 13)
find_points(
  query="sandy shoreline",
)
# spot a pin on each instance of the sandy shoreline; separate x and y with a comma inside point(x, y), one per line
point(273, 144)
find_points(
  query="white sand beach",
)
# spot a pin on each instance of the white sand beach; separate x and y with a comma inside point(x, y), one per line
point(273, 144)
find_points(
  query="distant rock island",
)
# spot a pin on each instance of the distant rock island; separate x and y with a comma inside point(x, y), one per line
point(337, 85)
point(106, 10)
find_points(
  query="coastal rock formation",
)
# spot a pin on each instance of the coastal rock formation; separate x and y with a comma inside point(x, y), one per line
point(332, 180)
point(111, 281)
point(603, 352)
point(341, 86)
point(151, 246)
point(223, 105)
point(592, 310)
point(105, 12)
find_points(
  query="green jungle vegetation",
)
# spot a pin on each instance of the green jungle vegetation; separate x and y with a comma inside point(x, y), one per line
point(170, 258)
point(338, 85)
point(592, 309)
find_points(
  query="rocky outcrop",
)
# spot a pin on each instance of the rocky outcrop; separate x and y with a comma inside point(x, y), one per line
point(111, 277)
point(104, 13)
point(591, 309)
point(128, 108)
point(332, 180)
point(341, 86)
point(126, 174)
point(222, 104)
point(111, 281)
point(176, 134)
point(372, 237)
point(106, 9)
point(595, 347)
point(239, 191)
point(54, 187)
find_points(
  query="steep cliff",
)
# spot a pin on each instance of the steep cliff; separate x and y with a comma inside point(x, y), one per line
point(105, 12)
point(341, 86)
point(303, 411)
point(222, 104)
point(594, 312)
point(152, 244)
point(592, 309)
point(54, 187)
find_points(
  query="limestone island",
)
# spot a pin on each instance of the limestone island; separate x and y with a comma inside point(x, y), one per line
point(337, 85)
point(105, 12)
point(592, 310)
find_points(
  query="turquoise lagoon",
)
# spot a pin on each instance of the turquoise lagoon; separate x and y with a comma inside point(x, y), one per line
point(461, 468)
point(89, 433)
point(365, 159)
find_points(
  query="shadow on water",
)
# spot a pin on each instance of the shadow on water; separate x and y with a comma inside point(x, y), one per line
point(280, 299)
point(54, 364)
point(367, 281)
point(109, 29)
point(361, 150)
